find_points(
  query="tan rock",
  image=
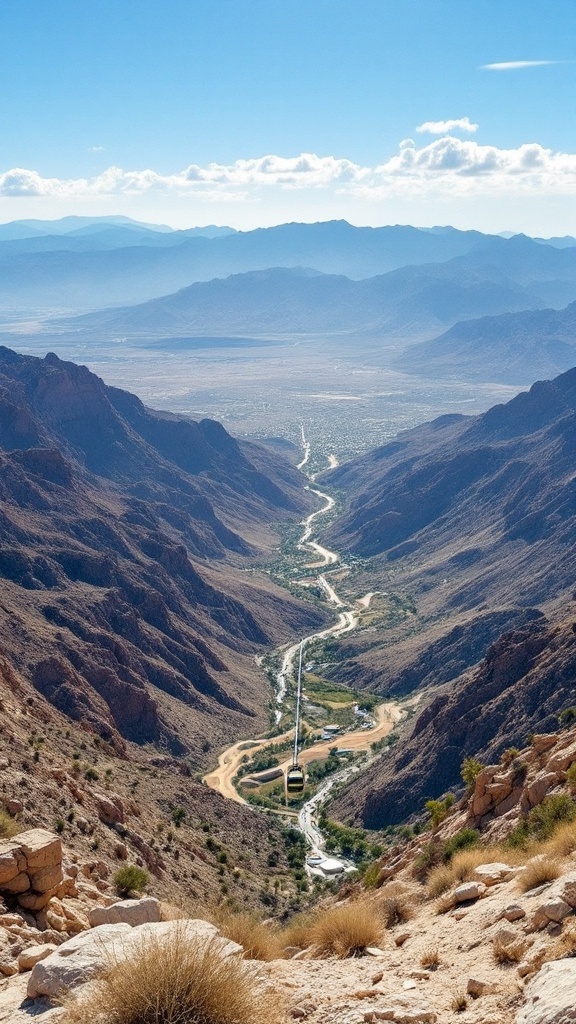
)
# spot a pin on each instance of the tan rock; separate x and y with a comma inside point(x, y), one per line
point(41, 848)
point(33, 955)
point(513, 912)
point(541, 742)
point(12, 862)
point(36, 901)
point(110, 808)
point(561, 761)
point(536, 790)
point(550, 995)
point(132, 912)
point(8, 967)
point(477, 987)
point(492, 873)
point(46, 878)
point(18, 884)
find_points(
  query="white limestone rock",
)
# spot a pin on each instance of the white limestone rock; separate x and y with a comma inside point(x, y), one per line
point(551, 995)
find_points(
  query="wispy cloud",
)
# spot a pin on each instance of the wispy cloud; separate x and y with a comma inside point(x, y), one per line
point(463, 124)
point(446, 166)
point(515, 65)
point(96, 149)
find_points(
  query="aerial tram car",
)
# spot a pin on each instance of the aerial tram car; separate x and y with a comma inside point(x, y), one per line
point(295, 779)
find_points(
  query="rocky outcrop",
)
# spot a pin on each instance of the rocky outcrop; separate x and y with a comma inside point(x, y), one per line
point(550, 996)
point(31, 869)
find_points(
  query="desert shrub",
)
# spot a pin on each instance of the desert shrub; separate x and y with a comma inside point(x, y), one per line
point(430, 958)
point(537, 871)
point(543, 820)
point(459, 1002)
point(470, 770)
point(567, 718)
point(8, 827)
point(565, 944)
point(397, 906)
point(372, 875)
point(571, 777)
point(427, 859)
point(438, 809)
point(129, 879)
point(509, 952)
point(346, 930)
point(462, 840)
point(298, 931)
point(175, 981)
point(260, 941)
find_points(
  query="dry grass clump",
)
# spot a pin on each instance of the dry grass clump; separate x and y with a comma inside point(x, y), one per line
point(460, 869)
point(175, 981)
point(541, 869)
point(563, 842)
point(8, 826)
point(430, 958)
point(260, 941)
point(396, 904)
point(459, 1003)
point(298, 931)
point(509, 952)
point(346, 930)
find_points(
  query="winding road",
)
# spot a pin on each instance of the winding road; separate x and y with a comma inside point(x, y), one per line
point(385, 716)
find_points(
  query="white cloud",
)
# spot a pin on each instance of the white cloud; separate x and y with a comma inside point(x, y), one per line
point(463, 124)
point(515, 65)
point(446, 166)
point(96, 149)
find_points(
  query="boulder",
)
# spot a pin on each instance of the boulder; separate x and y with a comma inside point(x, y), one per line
point(541, 742)
point(476, 987)
point(553, 909)
point(110, 808)
point(550, 995)
point(12, 862)
point(34, 954)
point(513, 912)
point(132, 912)
point(468, 891)
point(86, 955)
point(561, 761)
point(537, 789)
point(491, 874)
point(41, 849)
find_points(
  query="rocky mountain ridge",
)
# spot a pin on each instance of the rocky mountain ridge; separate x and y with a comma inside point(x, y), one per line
point(124, 535)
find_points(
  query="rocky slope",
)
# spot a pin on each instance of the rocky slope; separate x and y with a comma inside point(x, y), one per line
point(440, 928)
point(124, 536)
point(520, 687)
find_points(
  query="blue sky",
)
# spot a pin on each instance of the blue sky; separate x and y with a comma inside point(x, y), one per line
point(197, 111)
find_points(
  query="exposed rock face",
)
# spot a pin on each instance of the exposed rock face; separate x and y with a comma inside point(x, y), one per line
point(31, 868)
point(550, 995)
point(104, 505)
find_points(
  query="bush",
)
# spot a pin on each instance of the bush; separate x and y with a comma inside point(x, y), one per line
point(346, 930)
point(438, 809)
point(8, 827)
point(567, 718)
point(470, 770)
point(544, 820)
point(462, 840)
point(130, 879)
point(175, 981)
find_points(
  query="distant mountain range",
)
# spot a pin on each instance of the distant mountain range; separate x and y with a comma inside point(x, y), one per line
point(407, 302)
point(134, 273)
point(123, 533)
point(509, 348)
